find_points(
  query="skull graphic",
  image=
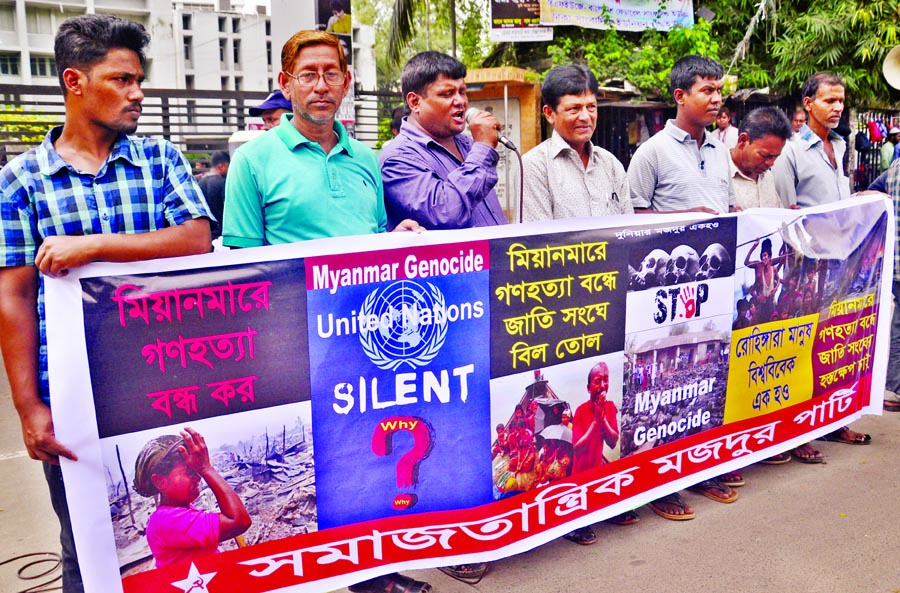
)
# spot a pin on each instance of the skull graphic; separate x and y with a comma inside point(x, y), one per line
point(715, 263)
point(652, 270)
point(683, 265)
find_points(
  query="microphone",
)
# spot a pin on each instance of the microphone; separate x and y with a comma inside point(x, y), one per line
point(473, 111)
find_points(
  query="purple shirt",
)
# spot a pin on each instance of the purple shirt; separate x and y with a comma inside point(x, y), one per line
point(426, 183)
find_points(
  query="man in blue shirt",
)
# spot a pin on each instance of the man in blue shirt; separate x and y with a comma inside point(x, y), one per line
point(433, 173)
point(89, 192)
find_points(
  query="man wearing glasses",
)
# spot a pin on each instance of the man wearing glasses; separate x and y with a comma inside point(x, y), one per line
point(307, 179)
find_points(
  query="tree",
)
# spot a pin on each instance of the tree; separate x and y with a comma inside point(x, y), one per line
point(797, 39)
point(790, 41)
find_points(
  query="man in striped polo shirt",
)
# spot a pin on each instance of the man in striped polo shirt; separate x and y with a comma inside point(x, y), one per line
point(684, 168)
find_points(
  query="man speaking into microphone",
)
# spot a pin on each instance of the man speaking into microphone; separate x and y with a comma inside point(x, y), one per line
point(432, 172)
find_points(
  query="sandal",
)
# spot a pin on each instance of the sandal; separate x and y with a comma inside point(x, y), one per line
point(842, 435)
point(470, 574)
point(732, 479)
point(391, 583)
point(674, 500)
point(626, 518)
point(779, 459)
point(806, 454)
point(583, 536)
point(715, 490)
point(891, 406)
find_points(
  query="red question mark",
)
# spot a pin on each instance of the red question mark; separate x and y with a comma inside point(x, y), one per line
point(408, 465)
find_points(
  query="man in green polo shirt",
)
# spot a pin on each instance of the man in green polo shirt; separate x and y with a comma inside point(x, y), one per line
point(306, 178)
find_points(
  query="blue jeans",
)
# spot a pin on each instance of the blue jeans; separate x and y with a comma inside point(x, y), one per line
point(71, 574)
point(893, 367)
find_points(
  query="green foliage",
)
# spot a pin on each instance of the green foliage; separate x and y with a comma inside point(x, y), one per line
point(27, 128)
point(797, 39)
point(644, 59)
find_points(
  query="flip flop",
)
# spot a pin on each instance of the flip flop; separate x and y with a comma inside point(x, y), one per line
point(715, 490)
point(840, 436)
point(391, 583)
point(779, 459)
point(891, 406)
point(675, 500)
point(583, 536)
point(815, 457)
point(626, 518)
point(732, 479)
point(470, 574)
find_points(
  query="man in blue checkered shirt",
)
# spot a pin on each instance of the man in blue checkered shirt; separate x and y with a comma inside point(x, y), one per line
point(89, 192)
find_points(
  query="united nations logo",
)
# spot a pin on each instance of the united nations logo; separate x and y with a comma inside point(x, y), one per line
point(405, 323)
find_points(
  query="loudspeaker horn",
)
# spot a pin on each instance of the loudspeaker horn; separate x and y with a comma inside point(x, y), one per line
point(891, 68)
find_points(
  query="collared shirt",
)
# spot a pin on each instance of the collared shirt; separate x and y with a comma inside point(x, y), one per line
point(425, 182)
point(754, 194)
point(728, 136)
point(803, 173)
point(893, 188)
point(557, 184)
point(283, 188)
point(144, 185)
point(669, 172)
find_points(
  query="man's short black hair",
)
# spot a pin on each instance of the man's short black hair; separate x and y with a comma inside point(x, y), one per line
point(567, 80)
point(424, 68)
point(812, 84)
point(84, 41)
point(220, 157)
point(688, 69)
point(766, 121)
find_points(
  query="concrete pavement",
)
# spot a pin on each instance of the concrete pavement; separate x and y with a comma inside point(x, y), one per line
point(796, 528)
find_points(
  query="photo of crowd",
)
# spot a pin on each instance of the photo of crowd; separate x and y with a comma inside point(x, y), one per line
point(656, 366)
point(785, 276)
point(541, 438)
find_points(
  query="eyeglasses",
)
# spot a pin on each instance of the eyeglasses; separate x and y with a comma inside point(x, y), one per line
point(310, 78)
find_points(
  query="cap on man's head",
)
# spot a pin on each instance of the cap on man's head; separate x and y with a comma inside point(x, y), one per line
point(894, 130)
point(274, 101)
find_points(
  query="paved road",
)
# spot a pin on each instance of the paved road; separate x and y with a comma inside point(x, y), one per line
point(797, 528)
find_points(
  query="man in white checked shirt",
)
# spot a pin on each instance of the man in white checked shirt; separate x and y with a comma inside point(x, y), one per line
point(90, 192)
point(566, 176)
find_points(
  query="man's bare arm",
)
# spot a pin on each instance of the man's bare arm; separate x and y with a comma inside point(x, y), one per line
point(57, 255)
point(19, 341)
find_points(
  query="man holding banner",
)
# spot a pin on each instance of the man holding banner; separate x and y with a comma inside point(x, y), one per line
point(343, 196)
point(810, 171)
point(90, 192)
point(660, 181)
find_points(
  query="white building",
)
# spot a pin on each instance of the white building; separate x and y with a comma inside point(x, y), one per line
point(207, 46)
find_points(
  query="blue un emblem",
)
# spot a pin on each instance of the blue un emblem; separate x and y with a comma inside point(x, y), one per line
point(403, 323)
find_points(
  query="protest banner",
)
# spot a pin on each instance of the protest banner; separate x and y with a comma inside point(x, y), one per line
point(517, 21)
point(410, 401)
point(623, 15)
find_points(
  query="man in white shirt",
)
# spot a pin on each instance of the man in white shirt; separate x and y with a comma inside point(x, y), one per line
point(567, 176)
point(810, 170)
point(761, 139)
